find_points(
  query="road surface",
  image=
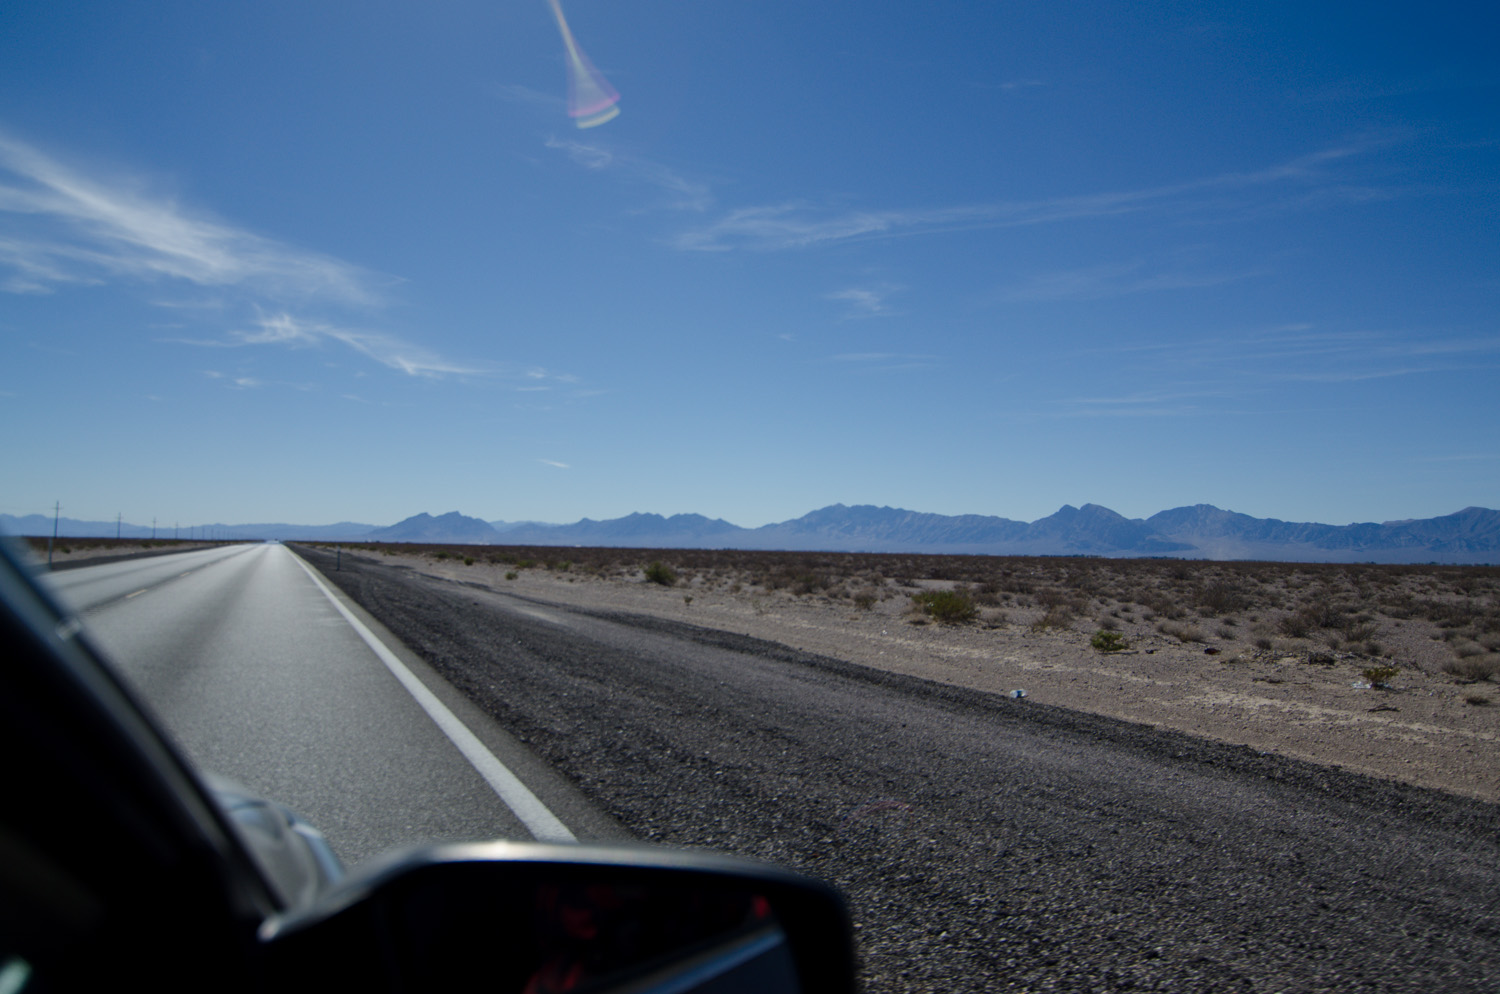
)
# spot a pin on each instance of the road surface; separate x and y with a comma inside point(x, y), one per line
point(262, 679)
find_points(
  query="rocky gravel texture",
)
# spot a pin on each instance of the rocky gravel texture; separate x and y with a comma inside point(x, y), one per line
point(1294, 696)
point(984, 843)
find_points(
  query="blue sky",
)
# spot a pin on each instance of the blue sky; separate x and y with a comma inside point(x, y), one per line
point(308, 262)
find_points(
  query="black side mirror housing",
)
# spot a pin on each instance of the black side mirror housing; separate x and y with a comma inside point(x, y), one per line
point(535, 917)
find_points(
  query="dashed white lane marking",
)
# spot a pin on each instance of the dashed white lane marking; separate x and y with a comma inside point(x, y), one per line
point(539, 821)
point(137, 593)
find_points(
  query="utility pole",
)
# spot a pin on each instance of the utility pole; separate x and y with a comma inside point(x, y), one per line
point(56, 510)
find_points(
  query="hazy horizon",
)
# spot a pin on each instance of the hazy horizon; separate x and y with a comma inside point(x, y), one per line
point(183, 526)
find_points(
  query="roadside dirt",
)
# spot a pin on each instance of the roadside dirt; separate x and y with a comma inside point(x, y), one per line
point(983, 843)
point(1425, 729)
point(75, 553)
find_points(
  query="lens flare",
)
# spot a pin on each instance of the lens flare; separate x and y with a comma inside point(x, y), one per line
point(591, 100)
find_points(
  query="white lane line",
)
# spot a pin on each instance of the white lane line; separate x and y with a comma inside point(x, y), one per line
point(137, 593)
point(539, 821)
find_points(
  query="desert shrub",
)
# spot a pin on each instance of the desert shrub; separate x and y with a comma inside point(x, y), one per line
point(1379, 676)
point(1183, 633)
point(1226, 633)
point(1359, 630)
point(1107, 641)
point(1463, 650)
point(807, 583)
point(1264, 643)
point(1297, 625)
point(1325, 614)
point(660, 573)
point(988, 594)
point(440, 555)
point(1055, 598)
point(1472, 669)
point(1478, 700)
point(524, 564)
point(1108, 624)
point(864, 600)
point(1221, 597)
point(1057, 617)
point(468, 560)
point(1165, 606)
point(948, 606)
point(511, 575)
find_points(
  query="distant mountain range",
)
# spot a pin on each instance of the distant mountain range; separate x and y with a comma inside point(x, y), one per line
point(1198, 532)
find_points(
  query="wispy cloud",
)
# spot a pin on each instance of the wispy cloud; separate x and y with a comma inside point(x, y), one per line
point(388, 350)
point(554, 463)
point(883, 361)
point(865, 301)
point(60, 226)
point(1143, 404)
point(683, 193)
point(1113, 280)
point(515, 93)
point(586, 155)
point(798, 224)
point(1463, 457)
point(1304, 353)
point(1010, 85)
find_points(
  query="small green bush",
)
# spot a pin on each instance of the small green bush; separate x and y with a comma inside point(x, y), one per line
point(511, 575)
point(948, 606)
point(468, 560)
point(1380, 676)
point(660, 573)
point(1106, 641)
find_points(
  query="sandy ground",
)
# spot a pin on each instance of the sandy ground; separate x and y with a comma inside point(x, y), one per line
point(1424, 730)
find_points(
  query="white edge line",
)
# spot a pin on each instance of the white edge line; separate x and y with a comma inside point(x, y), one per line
point(539, 821)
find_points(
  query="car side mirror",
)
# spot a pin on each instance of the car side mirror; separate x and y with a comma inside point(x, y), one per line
point(533, 918)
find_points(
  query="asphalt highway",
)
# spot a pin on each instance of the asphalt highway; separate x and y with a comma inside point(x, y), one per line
point(261, 678)
point(984, 843)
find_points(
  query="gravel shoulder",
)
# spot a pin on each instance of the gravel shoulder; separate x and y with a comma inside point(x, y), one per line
point(1422, 731)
